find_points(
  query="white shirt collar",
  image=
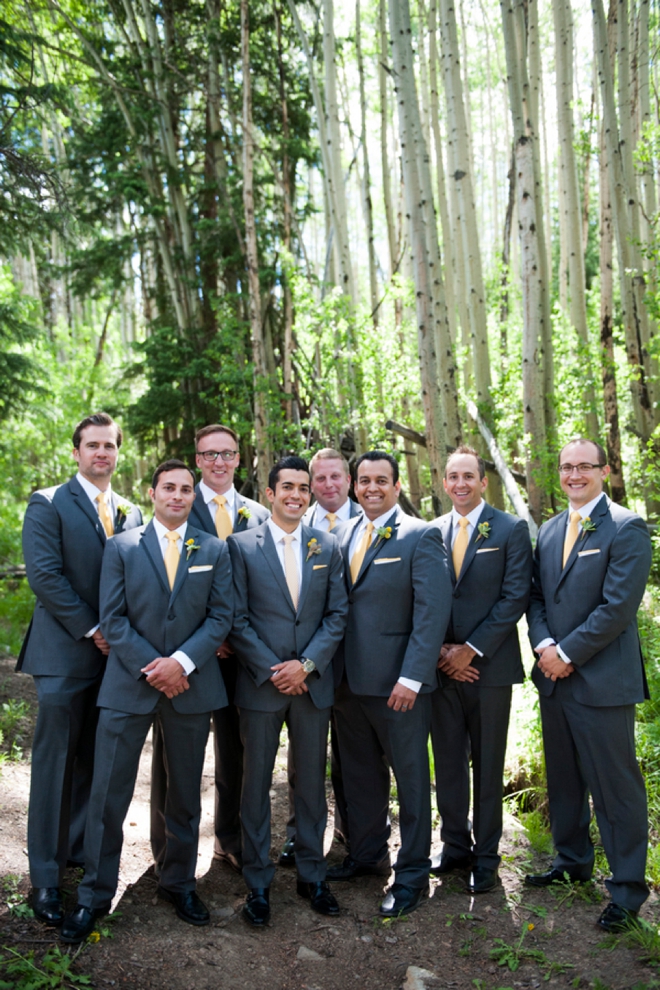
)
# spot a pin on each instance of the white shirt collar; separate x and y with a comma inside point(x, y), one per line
point(375, 522)
point(472, 517)
point(161, 530)
point(208, 495)
point(342, 514)
point(278, 534)
point(585, 510)
point(91, 491)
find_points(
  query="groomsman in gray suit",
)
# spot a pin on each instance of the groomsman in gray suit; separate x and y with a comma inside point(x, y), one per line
point(166, 602)
point(400, 600)
point(290, 616)
point(65, 532)
point(591, 565)
point(491, 570)
point(218, 509)
point(330, 480)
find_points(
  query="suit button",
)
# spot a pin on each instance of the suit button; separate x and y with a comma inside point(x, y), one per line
point(171, 616)
point(456, 594)
point(350, 601)
point(297, 622)
point(557, 600)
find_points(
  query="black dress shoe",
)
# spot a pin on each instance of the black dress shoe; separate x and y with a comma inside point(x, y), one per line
point(288, 854)
point(256, 909)
point(444, 863)
point(81, 923)
point(351, 868)
point(188, 906)
point(400, 899)
point(231, 859)
point(47, 905)
point(320, 895)
point(552, 876)
point(482, 880)
point(616, 918)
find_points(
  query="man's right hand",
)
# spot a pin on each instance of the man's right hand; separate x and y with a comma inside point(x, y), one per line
point(167, 675)
point(101, 643)
point(224, 651)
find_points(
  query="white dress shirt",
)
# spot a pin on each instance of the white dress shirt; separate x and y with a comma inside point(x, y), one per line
point(91, 491)
point(278, 535)
point(163, 543)
point(230, 504)
point(320, 516)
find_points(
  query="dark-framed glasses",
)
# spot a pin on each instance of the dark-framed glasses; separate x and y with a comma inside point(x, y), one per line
point(212, 455)
point(567, 469)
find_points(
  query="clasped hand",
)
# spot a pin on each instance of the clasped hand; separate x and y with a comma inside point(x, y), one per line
point(289, 677)
point(167, 675)
point(551, 664)
point(455, 660)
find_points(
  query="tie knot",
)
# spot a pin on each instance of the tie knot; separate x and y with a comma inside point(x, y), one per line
point(172, 536)
point(370, 528)
point(219, 500)
point(288, 539)
point(463, 522)
point(575, 517)
point(101, 498)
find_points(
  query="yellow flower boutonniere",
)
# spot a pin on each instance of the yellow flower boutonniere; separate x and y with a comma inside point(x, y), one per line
point(190, 546)
point(244, 512)
point(384, 533)
point(484, 531)
point(123, 509)
point(588, 526)
point(313, 547)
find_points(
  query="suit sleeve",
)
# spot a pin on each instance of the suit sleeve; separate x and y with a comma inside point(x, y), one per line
point(44, 563)
point(623, 588)
point(203, 643)
point(252, 652)
point(132, 649)
point(514, 597)
point(323, 644)
point(431, 608)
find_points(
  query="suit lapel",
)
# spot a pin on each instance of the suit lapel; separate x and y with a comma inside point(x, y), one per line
point(473, 545)
point(582, 541)
point(267, 547)
point(345, 545)
point(83, 503)
point(445, 530)
point(149, 541)
point(184, 561)
point(241, 522)
point(307, 566)
point(378, 543)
point(202, 513)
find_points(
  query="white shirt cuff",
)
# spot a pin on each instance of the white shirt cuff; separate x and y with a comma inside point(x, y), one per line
point(91, 632)
point(561, 654)
point(185, 661)
point(478, 652)
point(412, 685)
point(548, 641)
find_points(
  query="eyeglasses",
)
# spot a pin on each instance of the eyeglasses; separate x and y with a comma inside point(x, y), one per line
point(212, 455)
point(567, 469)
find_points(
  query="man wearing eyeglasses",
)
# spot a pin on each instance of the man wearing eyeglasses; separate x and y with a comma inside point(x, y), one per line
point(218, 509)
point(590, 569)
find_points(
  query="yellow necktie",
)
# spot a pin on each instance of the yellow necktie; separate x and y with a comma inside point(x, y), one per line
point(571, 536)
point(104, 514)
point(460, 545)
point(171, 557)
point(332, 520)
point(291, 569)
point(223, 524)
point(358, 556)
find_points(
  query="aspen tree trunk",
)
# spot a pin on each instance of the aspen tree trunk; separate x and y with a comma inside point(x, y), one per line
point(287, 356)
point(366, 172)
point(571, 228)
point(264, 454)
point(414, 160)
point(532, 249)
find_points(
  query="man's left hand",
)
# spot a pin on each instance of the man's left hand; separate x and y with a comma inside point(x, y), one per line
point(551, 664)
point(455, 660)
point(167, 675)
point(289, 677)
point(402, 699)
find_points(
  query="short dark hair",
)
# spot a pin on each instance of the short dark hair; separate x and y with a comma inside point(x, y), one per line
point(96, 419)
point(465, 449)
point(328, 454)
point(289, 463)
point(172, 465)
point(215, 428)
point(602, 456)
point(379, 455)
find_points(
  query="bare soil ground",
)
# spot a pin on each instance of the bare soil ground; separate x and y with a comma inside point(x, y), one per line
point(451, 937)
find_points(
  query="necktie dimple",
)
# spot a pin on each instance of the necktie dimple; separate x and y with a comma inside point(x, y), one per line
point(358, 556)
point(571, 536)
point(104, 514)
point(171, 557)
point(223, 523)
point(291, 569)
point(332, 520)
point(460, 545)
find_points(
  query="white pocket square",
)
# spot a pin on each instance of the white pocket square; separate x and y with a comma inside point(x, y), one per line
point(387, 560)
point(587, 553)
point(488, 549)
point(200, 567)
point(319, 567)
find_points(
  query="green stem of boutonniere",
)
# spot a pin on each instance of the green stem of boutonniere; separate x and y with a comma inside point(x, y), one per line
point(384, 533)
point(190, 547)
point(484, 531)
point(313, 547)
point(244, 512)
point(588, 526)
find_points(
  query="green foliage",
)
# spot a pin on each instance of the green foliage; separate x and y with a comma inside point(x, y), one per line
point(13, 721)
point(17, 905)
point(51, 972)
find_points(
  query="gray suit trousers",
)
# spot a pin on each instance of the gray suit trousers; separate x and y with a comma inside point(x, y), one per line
point(367, 731)
point(589, 749)
point(62, 766)
point(470, 720)
point(308, 737)
point(119, 741)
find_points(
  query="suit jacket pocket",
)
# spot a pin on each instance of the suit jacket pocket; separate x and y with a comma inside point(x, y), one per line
point(387, 560)
point(488, 550)
point(200, 567)
point(319, 567)
point(588, 553)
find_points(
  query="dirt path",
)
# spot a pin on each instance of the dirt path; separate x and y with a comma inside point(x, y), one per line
point(451, 938)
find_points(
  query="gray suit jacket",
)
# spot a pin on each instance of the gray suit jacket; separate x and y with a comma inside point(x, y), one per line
point(355, 510)
point(268, 629)
point(399, 608)
point(142, 619)
point(201, 517)
point(590, 606)
point(63, 545)
point(490, 595)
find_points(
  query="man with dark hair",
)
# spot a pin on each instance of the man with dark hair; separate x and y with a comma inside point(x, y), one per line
point(491, 571)
point(290, 615)
point(65, 532)
point(400, 600)
point(218, 509)
point(591, 565)
point(166, 602)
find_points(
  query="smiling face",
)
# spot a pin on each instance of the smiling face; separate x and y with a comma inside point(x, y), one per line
point(463, 484)
point(329, 483)
point(173, 497)
point(582, 486)
point(290, 499)
point(97, 454)
point(375, 488)
point(217, 474)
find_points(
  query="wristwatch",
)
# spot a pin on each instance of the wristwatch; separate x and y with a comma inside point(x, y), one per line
point(308, 666)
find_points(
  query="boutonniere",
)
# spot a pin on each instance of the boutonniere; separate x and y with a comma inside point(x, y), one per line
point(123, 509)
point(384, 533)
point(313, 547)
point(588, 526)
point(244, 513)
point(484, 531)
point(190, 545)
